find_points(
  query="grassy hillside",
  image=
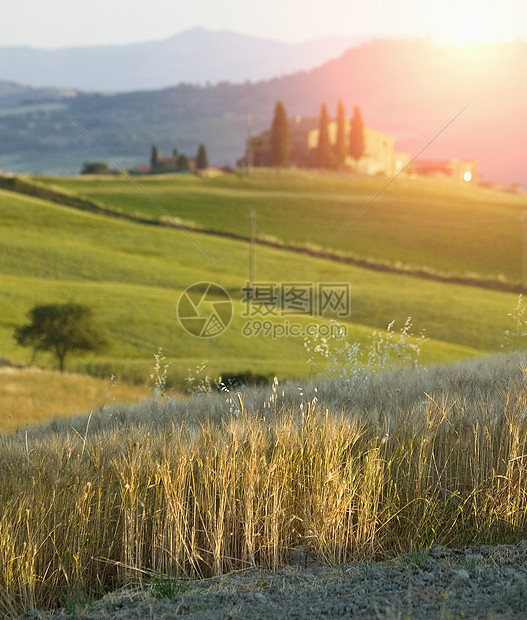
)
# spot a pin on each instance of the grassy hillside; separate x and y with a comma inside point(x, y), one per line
point(443, 226)
point(132, 275)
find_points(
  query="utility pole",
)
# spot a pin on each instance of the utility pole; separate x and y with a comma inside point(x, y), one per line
point(523, 220)
point(252, 218)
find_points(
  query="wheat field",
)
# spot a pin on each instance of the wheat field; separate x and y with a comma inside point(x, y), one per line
point(190, 488)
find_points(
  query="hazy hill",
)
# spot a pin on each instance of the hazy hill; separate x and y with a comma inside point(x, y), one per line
point(409, 89)
point(12, 94)
point(196, 56)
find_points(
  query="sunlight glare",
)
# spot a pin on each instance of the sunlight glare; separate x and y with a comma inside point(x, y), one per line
point(470, 22)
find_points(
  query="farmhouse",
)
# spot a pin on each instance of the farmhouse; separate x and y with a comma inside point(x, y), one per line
point(379, 149)
point(177, 162)
point(452, 168)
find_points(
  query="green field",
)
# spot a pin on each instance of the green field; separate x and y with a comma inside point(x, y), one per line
point(132, 275)
point(432, 223)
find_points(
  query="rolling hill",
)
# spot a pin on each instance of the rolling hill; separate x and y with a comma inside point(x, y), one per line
point(419, 224)
point(412, 90)
point(133, 275)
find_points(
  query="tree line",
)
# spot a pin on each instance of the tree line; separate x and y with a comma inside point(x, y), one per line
point(178, 161)
point(328, 155)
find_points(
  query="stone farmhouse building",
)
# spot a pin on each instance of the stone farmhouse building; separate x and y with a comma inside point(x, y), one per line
point(379, 158)
point(379, 149)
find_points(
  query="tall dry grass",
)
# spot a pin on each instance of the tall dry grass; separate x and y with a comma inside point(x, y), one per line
point(202, 487)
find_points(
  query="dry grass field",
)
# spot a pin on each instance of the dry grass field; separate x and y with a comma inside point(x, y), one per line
point(31, 396)
point(365, 468)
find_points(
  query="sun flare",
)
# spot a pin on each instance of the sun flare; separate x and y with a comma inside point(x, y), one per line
point(469, 22)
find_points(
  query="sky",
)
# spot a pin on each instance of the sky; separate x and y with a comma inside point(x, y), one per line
point(66, 23)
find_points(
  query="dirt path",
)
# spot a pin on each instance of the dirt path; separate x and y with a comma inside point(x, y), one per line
point(488, 582)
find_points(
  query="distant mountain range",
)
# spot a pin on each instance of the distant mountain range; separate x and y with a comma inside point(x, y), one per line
point(462, 103)
point(194, 56)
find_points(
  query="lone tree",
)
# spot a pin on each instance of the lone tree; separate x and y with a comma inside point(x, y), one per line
point(341, 145)
point(357, 135)
point(202, 161)
point(325, 157)
point(61, 329)
point(280, 137)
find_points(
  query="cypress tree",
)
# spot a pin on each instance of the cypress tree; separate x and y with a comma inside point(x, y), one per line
point(280, 137)
point(357, 135)
point(202, 161)
point(182, 162)
point(324, 151)
point(341, 148)
point(154, 158)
